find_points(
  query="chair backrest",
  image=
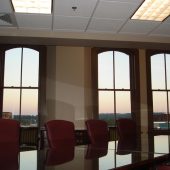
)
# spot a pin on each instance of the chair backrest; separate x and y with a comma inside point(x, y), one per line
point(9, 133)
point(97, 131)
point(126, 129)
point(60, 133)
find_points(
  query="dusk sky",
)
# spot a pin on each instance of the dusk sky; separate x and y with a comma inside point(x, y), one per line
point(105, 81)
point(12, 77)
point(122, 81)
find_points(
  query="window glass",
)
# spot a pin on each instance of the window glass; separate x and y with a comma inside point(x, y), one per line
point(11, 103)
point(29, 110)
point(123, 103)
point(122, 76)
point(106, 106)
point(158, 71)
point(106, 102)
point(160, 110)
point(30, 67)
point(105, 70)
point(12, 72)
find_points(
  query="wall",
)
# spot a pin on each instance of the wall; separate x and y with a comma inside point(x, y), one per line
point(68, 86)
point(143, 100)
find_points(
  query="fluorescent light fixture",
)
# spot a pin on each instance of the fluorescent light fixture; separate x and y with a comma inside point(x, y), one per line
point(32, 6)
point(154, 10)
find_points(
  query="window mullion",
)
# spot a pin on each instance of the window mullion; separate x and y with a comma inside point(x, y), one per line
point(21, 85)
point(166, 90)
point(114, 84)
point(165, 71)
point(114, 95)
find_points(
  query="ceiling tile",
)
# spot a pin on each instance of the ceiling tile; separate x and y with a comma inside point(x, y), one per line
point(115, 10)
point(163, 29)
point(70, 23)
point(34, 21)
point(96, 16)
point(104, 25)
point(84, 7)
point(139, 27)
point(5, 6)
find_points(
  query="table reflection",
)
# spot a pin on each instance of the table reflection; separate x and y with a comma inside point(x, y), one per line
point(28, 160)
point(59, 156)
point(96, 151)
point(9, 157)
point(161, 144)
point(31, 160)
point(91, 157)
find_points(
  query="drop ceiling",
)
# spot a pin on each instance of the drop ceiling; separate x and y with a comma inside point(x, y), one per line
point(107, 20)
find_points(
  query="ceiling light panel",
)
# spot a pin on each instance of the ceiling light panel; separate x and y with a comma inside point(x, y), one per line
point(32, 6)
point(154, 10)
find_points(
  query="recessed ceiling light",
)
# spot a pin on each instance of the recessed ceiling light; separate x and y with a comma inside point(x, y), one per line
point(32, 6)
point(154, 10)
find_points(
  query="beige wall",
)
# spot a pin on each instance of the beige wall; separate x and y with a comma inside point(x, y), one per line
point(143, 100)
point(143, 91)
point(68, 86)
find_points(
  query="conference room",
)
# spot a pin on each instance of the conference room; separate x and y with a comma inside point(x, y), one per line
point(77, 61)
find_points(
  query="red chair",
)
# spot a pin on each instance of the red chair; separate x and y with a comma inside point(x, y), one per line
point(126, 128)
point(60, 133)
point(9, 144)
point(9, 133)
point(127, 134)
point(97, 131)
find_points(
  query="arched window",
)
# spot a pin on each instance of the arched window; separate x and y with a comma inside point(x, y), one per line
point(160, 89)
point(116, 85)
point(117, 91)
point(21, 84)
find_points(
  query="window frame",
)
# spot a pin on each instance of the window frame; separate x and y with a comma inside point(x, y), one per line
point(149, 54)
point(42, 75)
point(134, 80)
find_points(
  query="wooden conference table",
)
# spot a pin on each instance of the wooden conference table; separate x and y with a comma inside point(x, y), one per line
point(88, 157)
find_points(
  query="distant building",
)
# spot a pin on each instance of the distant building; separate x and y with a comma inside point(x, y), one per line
point(7, 115)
